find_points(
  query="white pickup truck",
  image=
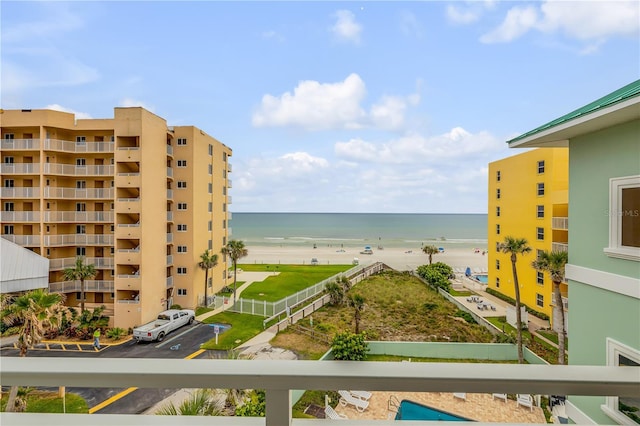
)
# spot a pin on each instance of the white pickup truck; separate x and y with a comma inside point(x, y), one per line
point(166, 322)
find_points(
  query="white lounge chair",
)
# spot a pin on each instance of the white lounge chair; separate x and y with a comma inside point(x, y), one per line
point(332, 414)
point(525, 400)
point(460, 395)
point(365, 395)
point(346, 398)
point(502, 396)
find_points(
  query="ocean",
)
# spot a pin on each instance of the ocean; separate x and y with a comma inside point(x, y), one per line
point(360, 229)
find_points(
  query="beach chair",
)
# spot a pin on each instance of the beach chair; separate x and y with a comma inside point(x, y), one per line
point(460, 395)
point(347, 399)
point(330, 413)
point(364, 395)
point(502, 396)
point(525, 400)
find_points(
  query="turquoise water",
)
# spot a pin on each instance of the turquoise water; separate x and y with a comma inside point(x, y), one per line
point(410, 410)
point(360, 229)
point(484, 279)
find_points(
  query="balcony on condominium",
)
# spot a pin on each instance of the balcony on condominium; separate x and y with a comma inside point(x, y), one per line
point(75, 216)
point(559, 247)
point(68, 262)
point(229, 183)
point(169, 260)
point(23, 240)
point(76, 147)
point(20, 192)
point(229, 168)
point(21, 144)
point(169, 150)
point(20, 168)
point(169, 172)
point(78, 193)
point(100, 286)
point(78, 170)
point(560, 223)
point(169, 282)
point(78, 240)
point(128, 153)
point(19, 216)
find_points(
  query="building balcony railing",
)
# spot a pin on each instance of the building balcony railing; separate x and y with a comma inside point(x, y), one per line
point(279, 377)
point(170, 172)
point(169, 237)
point(21, 144)
point(75, 147)
point(80, 217)
point(78, 193)
point(559, 247)
point(169, 216)
point(23, 240)
point(565, 303)
point(78, 240)
point(67, 262)
point(229, 216)
point(169, 281)
point(74, 170)
point(20, 168)
point(560, 223)
point(20, 192)
point(170, 150)
point(169, 260)
point(19, 216)
point(229, 168)
point(229, 183)
point(229, 200)
point(100, 286)
point(169, 194)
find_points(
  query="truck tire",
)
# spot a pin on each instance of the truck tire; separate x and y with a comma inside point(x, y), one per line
point(191, 320)
point(161, 336)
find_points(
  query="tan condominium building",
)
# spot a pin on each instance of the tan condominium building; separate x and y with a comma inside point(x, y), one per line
point(139, 200)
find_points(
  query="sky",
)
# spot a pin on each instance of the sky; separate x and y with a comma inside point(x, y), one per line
point(386, 107)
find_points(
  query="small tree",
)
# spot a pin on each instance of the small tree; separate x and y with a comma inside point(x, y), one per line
point(356, 301)
point(349, 347)
point(336, 293)
point(430, 251)
point(207, 261)
point(235, 250)
point(81, 272)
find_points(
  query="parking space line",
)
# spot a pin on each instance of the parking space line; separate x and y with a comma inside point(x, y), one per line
point(175, 337)
point(195, 354)
point(111, 400)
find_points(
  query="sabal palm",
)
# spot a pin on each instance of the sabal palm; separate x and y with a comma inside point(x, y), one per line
point(36, 311)
point(202, 402)
point(430, 251)
point(356, 301)
point(514, 247)
point(235, 250)
point(81, 272)
point(554, 263)
point(208, 260)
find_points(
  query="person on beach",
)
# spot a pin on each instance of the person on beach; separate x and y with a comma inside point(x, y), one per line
point(96, 338)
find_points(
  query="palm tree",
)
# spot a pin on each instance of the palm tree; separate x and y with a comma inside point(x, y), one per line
point(430, 251)
point(554, 263)
point(81, 272)
point(357, 303)
point(235, 249)
point(35, 311)
point(207, 261)
point(514, 247)
point(203, 402)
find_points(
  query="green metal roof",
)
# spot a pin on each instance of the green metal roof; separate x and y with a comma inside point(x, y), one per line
point(629, 91)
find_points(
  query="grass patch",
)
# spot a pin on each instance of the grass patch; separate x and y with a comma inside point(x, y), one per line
point(456, 293)
point(541, 348)
point(313, 397)
point(202, 310)
point(553, 336)
point(290, 280)
point(396, 358)
point(243, 328)
point(49, 402)
point(303, 346)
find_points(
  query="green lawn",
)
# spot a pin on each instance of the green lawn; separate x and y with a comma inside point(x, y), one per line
point(394, 358)
point(243, 328)
point(290, 280)
point(553, 336)
point(48, 402)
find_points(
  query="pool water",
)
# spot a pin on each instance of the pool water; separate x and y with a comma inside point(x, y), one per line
point(484, 279)
point(410, 410)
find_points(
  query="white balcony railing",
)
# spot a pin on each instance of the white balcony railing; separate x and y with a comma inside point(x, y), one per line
point(80, 193)
point(169, 260)
point(73, 170)
point(78, 239)
point(23, 240)
point(70, 146)
point(19, 216)
point(100, 286)
point(229, 168)
point(22, 144)
point(278, 378)
point(169, 172)
point(229, 183)
point(560, 223)
point(559, 247)
point(20, 192)
point(565, 303)
point(229, 201)
point(169, 216)
point(67, 262)
point(169, 281)
point(169, 194)
point(82, 217)
point(169, 150)
point(169, 237)
point(20, 168)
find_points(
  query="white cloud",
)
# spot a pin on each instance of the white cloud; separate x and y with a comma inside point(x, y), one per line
point(581, 20)
point(388, 113)
point(409, 24)
point(460, 15)
point(80, 115)
point(315, 106)
point(273, 35)
point(57, 20)
point(346, 28)
point(129, 102)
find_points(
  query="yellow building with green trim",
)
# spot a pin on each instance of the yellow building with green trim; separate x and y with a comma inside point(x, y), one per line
point(528, 198)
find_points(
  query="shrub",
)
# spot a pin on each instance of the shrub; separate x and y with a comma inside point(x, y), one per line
point(466, 316)
point(349, 347)
point(254, 407)
point(175, 306)
point(435, 275)
point(116, 333)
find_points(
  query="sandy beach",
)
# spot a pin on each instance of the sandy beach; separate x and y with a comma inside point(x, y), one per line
point(402, 259)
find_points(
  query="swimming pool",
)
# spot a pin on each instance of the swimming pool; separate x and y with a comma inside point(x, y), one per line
point(484, 279)
point(410, 410)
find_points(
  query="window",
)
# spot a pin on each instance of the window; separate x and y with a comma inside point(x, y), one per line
point(81, 251)
point(81, 140)
point(8, 136)
point(182, 292)
point(541, 167)
point(498, 229)
point(498, 246)
point(79, 295)
point(9, 207)
point(540, 300)
point(224, 207)
point(210, 169)
point(623, 410)
point(498, 282)
point(182, 141)
point(210, 149)
point(210, 282)
point(182, 184)
point(182, 270)
point(8, 160)
point(224, 224)
point(210, 206)
point(498, 175)
point(112, 227)
point(224, 173)
point(81, 207)
point(224, 156)
point(541, 189)
point(182, 163)
point(81, 162)
point(9, 183)
point(48, 229)
point(209, 225)
point(498, 211)
point(539, 253)
point(182, 249)
point(540, 277)
point(81, 229)
point(210, 188)
point(540, 233)
point(182, 227)
point(81, 184)
point(210, 245)
point(624, 218)
point(498, 193)
point(498, 264)
point(224, 190)
point(182, 206)
point(7, 229)
point(540, 212)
